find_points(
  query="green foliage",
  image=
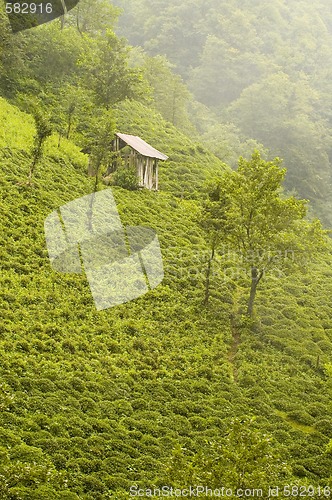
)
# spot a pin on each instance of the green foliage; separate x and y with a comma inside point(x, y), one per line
point(126, 178)
point(105, 70)
point(228, 144)
point(93, 16)
point(281, 113)
point(170, 95)
point(98, 137)
point(13, 135)
point(248, 215)
point(43, 131)
point(242, 459)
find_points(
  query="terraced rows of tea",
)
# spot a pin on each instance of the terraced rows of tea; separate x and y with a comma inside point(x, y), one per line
point(94, 402)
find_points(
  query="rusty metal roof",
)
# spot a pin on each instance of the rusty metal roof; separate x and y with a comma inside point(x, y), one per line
point(141, 146)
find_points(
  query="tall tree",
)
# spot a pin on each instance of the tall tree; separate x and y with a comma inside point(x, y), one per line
point(93, 16)
point(98, 142)
point(282, 114)
point(43, 131)
point(170, 94)
point(248, 213)
point(105, 70)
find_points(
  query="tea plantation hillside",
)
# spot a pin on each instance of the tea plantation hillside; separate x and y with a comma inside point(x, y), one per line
point(94, 402)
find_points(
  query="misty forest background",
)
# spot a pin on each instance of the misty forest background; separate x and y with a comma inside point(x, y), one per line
point(180, 386)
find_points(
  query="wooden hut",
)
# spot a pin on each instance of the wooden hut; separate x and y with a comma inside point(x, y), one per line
point(138, 153)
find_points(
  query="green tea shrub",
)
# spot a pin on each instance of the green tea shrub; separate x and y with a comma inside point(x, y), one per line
point(26, 453)
point(198, 423)
point(43, 492)
point(317, 409)
point(303, 322)
point(282, 436)
point(283, 403)
point(328, 332)
point(206, 372)
point(308, 360)
point(78, 428)
point(179, 424)
point(257, 345)
point(126, 178)
point(9, 438)
point(45, 385)
point(122, 407)
point(47, 444)
point(151, 415)
point(290, 312)
point(325, 345)
point(201, 386)
point(88, 405)
point(68, 495)
point(301, 416)
point(92, 485)
point(267, 320)
point(318, 466)
point(59, 460)
point(140, 404)
point(275, 341)
point(77, 384)
point(258, 393)
point(299, 471)
point(88, 465)
point(181, 408)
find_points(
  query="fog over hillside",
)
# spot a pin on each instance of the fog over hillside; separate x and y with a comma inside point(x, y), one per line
point(263, 68)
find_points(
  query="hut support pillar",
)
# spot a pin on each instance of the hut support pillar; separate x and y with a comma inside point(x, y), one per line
point(156, 174)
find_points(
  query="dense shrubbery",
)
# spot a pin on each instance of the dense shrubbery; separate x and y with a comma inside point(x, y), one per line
point(126, 178)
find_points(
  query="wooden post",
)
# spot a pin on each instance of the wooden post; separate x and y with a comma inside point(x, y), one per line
point(140, 172)
point(91, 168)
point(156, 174)
point(151, 173)
point(146, 173)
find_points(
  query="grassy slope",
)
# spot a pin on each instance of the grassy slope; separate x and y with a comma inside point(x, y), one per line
point(92, 402)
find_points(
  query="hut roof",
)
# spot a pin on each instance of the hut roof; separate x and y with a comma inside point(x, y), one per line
point(141, 146)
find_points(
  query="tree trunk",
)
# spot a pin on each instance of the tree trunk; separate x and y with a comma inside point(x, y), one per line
point(255, 279)
point(36, 156)
point(95, 187)
point(98, 165)
point(64, 13)
point(208, 274)
point(78, 20)
point(68, 125)
point(173, 110)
